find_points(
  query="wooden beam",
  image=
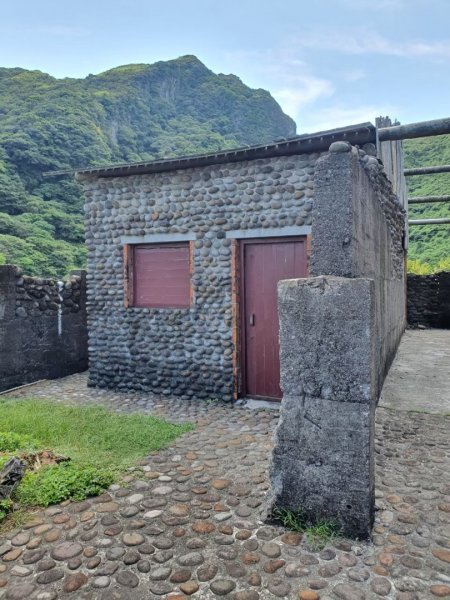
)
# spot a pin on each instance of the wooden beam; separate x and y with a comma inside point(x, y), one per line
point(427, 170)
point(429, 221)
point(414, 130)
point(426, 199)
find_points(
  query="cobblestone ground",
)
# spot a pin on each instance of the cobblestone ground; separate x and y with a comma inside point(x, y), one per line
point(187, 520)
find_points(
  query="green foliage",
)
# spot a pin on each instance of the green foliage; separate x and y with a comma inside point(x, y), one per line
point(130, 113)
point(418, 268)
point(443, 265)
point(317, 533)
point(54, 484)
point(429, 244)
point(10, 441)
point(5, 508)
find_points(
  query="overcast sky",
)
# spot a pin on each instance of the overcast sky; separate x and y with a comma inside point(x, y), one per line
point(327, 62)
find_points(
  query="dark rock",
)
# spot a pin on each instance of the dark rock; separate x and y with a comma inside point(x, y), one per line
point(67, 550)
point(50, 576)
point(10, 475)
point(160, 588)
point(127, 579)
point(222, 587)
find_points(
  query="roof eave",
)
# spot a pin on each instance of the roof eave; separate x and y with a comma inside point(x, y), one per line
point(305, 144)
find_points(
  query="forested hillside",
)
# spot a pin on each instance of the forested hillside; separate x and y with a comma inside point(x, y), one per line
point(429, 244)
point(130, 113)
point(142, 112)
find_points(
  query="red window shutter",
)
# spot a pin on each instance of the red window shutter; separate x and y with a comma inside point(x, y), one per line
point(161, 277)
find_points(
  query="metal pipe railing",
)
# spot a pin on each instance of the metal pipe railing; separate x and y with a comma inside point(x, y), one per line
point(429, 221)
point(427, 170)
point(427, 199)
point(414, 130)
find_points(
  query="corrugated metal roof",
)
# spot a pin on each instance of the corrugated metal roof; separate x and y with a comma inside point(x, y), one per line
point(303, 144)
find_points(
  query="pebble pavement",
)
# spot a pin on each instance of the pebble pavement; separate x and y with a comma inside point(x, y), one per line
point(186, 521)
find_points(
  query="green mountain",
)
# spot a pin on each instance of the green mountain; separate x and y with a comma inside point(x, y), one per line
point(142, 112)
point(130, 113)
point(429, 244)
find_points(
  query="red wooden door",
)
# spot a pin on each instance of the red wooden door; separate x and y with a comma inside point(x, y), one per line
point(265, 263)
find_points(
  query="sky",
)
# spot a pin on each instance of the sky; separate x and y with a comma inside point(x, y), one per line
point(328, 63)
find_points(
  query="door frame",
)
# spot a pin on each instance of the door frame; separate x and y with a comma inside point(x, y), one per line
point(240, 325)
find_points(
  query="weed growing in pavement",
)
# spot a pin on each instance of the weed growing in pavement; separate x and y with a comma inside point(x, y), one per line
point(317, 534)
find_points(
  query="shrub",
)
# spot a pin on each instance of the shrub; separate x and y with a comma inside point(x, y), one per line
point(54, 484)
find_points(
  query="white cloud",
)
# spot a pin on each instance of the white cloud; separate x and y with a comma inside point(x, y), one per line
point(373, 43)
point(309, 99)
point(287, 76)
point(302, 90)
point(339, 116)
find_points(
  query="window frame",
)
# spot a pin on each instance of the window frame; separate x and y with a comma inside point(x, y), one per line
point(129, 273)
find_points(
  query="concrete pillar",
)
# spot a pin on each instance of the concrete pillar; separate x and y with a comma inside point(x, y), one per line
point(323, 460)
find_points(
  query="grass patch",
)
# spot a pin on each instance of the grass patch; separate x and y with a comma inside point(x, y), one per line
point(317, 534)
point(10, 441)
point(90, 436)
point(100, 444)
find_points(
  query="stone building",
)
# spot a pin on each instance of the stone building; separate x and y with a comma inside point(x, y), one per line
point(184, 257)
point(218, 276)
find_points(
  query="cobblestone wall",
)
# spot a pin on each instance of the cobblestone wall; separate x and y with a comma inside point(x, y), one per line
point(429, 300)
point(43, 331)
point(184, 352)
point(36, 296)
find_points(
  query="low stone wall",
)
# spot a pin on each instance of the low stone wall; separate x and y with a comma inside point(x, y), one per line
point(339, 331)
point(43, 332)
point(429, 300)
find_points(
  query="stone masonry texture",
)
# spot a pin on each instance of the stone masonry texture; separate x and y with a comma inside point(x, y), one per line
point(339, 334)
point(429, 300)
point(43, 330)
point(187, 352)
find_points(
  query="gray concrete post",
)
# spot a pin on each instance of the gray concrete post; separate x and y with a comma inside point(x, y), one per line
point(323, 460)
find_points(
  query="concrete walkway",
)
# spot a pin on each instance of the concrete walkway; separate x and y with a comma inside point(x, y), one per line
point(187, 520)
point(419, 379)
